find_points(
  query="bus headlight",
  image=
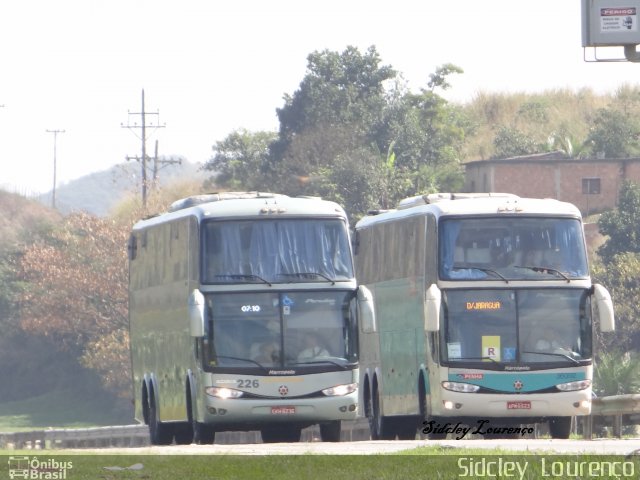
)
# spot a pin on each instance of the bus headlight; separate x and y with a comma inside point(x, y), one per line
point(573, 386)
point(223, 392)
point(340, 390)
point(460, 387)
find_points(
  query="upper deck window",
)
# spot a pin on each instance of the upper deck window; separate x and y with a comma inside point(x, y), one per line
point(511, 248)
point(276, 251)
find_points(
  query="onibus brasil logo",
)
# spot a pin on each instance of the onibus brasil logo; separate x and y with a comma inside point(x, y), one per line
point(38, 469)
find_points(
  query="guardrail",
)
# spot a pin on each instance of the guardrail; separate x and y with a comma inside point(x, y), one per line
point(138, 436)
point(621, 409)
point(617, 410)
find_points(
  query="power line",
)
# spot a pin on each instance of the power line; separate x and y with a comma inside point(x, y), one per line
point(55, 161)
point(143, 137)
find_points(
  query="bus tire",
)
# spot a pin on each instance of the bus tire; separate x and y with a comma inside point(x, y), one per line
point(560, 427)
point(422, 408)
point(201, 433)
point(406, 427)
point(159, 433)
point(281, 434)
point(183, 433)
point(330, 431)
point(378, 424)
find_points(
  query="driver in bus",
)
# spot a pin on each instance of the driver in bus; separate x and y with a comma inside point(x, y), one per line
point(553, 341)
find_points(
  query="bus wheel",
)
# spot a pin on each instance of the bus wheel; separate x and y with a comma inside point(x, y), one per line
point(422, 407)
point(281, 434)
point(330, 431)
point(560, 427)
point(183, 433)
point(379, 425)
point(202, 434)
point(160, 433)
point(406, 428)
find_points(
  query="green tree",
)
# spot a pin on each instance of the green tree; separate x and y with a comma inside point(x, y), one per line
point(353, 181)
point(10, 285)
point(615, 133)
point(621, 224)
point(241, 160)
point(339, 130)
point(332, 114)
point(511, 142)
point(621, 276)
point(424, 129)
point(346, 89)
point(616, 373)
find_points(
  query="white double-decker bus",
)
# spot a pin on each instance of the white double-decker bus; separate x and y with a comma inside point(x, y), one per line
point(243, 317)
point(483, 316)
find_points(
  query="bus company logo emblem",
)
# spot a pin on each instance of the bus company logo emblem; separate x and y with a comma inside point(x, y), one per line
point(518, 385)
point(283, 390)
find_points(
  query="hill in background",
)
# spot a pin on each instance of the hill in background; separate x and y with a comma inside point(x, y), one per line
point(20, 217)
point(99, 192)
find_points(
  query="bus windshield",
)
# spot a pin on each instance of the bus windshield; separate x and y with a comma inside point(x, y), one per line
point(512, 248)
point(276, 251)
point(286, 330)
point(528, 326)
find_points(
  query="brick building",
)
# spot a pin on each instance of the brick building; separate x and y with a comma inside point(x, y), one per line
point(590, 184)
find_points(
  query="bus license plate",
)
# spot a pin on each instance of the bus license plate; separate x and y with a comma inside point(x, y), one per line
point(283, 410)
point(519, 405)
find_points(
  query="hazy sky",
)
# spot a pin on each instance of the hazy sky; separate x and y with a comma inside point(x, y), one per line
point(210, 66)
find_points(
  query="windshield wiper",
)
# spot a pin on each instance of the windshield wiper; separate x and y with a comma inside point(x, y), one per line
point(482, 269)
point(553, 354)
point(240, 276)
point(243, 360)
point(326, 360)
point(558, 273)
point(474, 358)
point(304, 274)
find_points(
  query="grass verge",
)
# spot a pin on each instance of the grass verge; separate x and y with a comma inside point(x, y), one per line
point(432, 463)
point(61, 409)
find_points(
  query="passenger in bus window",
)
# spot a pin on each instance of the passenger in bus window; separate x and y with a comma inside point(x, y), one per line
point(312, 348)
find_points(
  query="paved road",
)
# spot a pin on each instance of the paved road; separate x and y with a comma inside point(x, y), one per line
point(599, 446)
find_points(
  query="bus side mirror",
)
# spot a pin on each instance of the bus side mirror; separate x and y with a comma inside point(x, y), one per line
point(432, 309)
point(196, 314)
point(605, 308)
point(366, 310)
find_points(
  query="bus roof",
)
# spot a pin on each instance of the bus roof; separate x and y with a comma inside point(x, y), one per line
point(473, 204)
point(245, 204)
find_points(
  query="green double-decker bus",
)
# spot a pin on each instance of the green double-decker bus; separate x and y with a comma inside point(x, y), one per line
point(243, 317)
point(483, 315)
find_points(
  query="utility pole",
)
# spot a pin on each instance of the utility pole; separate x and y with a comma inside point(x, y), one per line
point(143, 137)
point(55, 166)
point(157, 165)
